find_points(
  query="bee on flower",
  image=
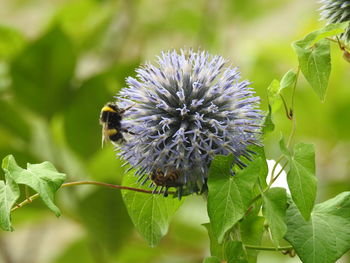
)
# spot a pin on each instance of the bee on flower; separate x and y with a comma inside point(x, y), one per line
point(186, 109)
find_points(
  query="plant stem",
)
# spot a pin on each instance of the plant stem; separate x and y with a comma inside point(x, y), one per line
point(268, 248)
point(33, 197)
point(342, 46)
point(274, 168)
point(294, 87)
point(285, 107)
point(273, 179)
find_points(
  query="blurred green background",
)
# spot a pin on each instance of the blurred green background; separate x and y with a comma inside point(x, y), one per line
point(61, 60)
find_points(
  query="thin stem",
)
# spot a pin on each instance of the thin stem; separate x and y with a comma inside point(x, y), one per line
point(342, 46)
point(292, 133)
point(285, 107)
point(294, 87)
point(26, 189)
point(107, 185)
point(273, 179)
point(274, 168)
point(33, 197)
point(268, 248)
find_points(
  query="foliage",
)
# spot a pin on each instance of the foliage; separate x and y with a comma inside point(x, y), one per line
point(53, 85)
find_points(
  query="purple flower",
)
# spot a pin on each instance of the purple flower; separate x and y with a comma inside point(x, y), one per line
point(187, 109)
point(337, 11)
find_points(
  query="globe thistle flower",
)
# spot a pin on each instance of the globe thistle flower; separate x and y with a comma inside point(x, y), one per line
point(336, 11)
point(187, 109)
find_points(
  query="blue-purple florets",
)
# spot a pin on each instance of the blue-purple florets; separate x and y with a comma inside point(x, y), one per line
point(337, 11)
point(187, 109)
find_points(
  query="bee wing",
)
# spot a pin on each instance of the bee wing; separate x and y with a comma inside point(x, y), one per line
point(104, 135)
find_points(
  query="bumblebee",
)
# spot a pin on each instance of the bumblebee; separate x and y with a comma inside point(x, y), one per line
point(170, 179)
point(110, 119)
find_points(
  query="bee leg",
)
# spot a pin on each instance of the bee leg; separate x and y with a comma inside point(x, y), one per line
point(127, 131)
point(179, 192)
point(165, 194)
point(126, 109)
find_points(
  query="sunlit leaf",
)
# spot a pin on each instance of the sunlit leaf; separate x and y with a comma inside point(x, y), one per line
point(11, 42)
point(288, 80)
point(326, 236)
point(273, 94)
point(43, 178)
point(229, 196)
point(315, 64)
point(9, 193)
point(150, 213)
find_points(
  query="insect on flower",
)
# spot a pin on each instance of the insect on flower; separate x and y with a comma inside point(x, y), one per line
point(188, 108)
point(110, 119)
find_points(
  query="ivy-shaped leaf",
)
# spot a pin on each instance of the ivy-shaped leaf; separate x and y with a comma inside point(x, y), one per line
point(288, 80)
point(301, 178)
point(314, 56)
point(42, 178)
point(326, 236)
point(268, 126)
point(150, 213)
point(229, 196)
point(274, 210)
point(273, 94)
point(9, 193)
point(315, 63)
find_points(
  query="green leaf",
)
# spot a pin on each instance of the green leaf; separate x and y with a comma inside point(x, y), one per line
point(216, 249)
point(42, 73)
point(327, 31)
point(229, 196)
point(273, 94)
point(274, 210)
point(43, 178)
point(315, 64)
point(9, 193)
point(235, 253)
point(251, 232)
point(288, 80)
point(326, 236)
point(150, 213)
point(268, 126)
point(103, 214)
point(78, 249)
point(11, 42)
point(12, 119)
point(283, 148)
point(212, 260)
point(301, 178)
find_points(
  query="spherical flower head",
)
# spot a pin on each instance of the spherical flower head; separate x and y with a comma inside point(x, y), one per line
point(337, 11)
point(187, 109)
